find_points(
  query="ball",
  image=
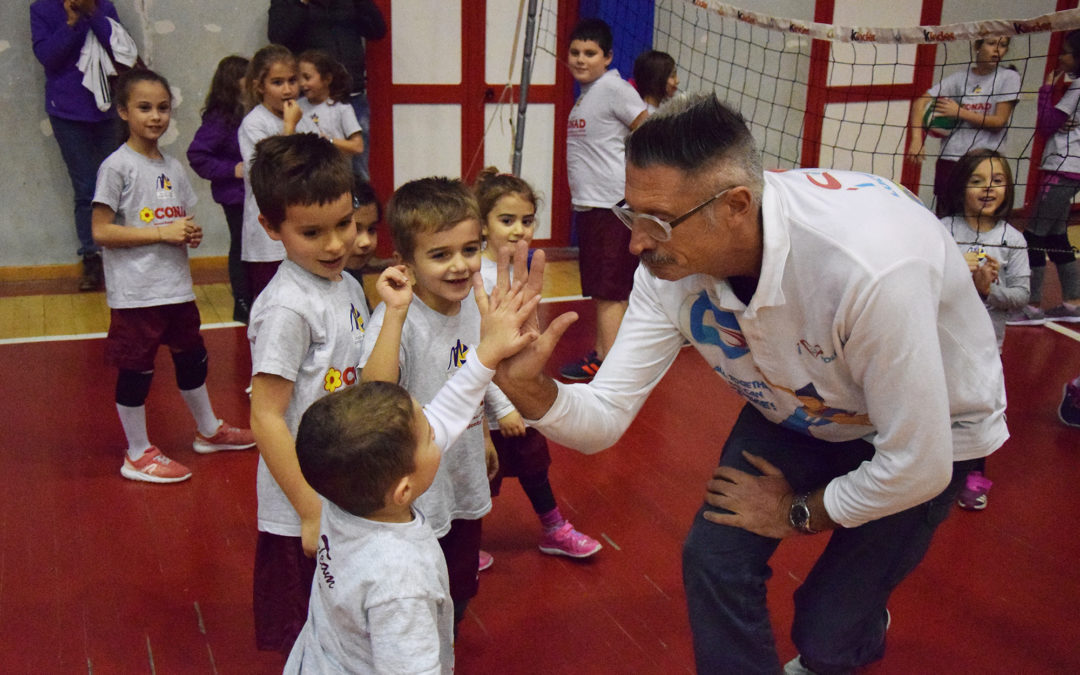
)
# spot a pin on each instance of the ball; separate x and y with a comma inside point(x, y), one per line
point(936, 125)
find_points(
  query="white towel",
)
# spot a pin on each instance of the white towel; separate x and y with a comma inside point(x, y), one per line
point(97, 67)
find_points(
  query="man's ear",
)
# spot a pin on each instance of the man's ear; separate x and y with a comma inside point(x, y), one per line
point(270, 231)
point(740, 201)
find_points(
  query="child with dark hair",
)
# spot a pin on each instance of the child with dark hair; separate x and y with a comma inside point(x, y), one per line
point(381, 601)
point(142, 220)
point(367, 213)
point(655, 77)
point(1047, 229)
point(214, 154)
point(326, 84)
point(977, 202)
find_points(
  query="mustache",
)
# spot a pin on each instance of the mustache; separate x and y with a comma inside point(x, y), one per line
point(655, 259)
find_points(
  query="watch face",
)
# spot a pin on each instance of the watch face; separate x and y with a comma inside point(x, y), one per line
point(799, 515)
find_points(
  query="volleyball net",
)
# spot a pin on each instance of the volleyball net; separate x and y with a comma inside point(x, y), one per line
point(828, 95)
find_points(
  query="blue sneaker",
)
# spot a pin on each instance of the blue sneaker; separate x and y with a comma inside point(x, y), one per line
point(584, 369)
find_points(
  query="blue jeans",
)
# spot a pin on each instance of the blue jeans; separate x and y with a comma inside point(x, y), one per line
point(363, 116)
point(840, 608)
point(84, 146)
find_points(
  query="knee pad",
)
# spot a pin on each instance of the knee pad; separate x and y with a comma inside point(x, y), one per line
point(190, 368)
point(132, 387)
point(1061, 251)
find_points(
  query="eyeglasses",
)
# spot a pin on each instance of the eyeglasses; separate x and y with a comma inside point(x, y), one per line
point(658, 228)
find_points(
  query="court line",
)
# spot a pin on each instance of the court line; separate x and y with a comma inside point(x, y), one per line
point(205, 326)
point(1058, 328)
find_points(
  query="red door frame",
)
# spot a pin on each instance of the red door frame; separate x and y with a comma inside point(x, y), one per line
point(472, 93)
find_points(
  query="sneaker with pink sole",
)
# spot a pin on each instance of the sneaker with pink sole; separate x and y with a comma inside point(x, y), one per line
point(565, 540)
point(227, 437)
point(973, 496)
point(154, 467)
point(486, 561)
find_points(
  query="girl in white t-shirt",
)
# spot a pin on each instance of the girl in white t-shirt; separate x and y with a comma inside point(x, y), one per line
point(326, 85)
point(977, 201)
point(272, 89)
point(1047, 231)
point(142, 220)
point(655, 78)
point(508, 215)
point(970, 109)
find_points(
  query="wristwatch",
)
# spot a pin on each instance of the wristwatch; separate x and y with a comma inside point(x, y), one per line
point(799, 514)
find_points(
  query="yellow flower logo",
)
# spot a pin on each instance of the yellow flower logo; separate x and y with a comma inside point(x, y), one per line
point(332, 381)
point(147, 214)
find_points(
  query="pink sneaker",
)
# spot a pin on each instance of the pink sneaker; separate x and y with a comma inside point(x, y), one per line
point(565, 540)
point(973, 496)
point(486, 561)
point(227, 437)
point(154, 467)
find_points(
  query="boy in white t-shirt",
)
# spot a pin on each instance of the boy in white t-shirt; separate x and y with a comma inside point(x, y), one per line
point(306, 333)
point(607, 110)
point(381, 599)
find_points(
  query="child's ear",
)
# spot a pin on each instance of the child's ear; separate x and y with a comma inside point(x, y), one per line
point(402, 492)
point(122, 112)
point(270, 231)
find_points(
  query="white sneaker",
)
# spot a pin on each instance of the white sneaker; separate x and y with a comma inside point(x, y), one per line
point(795, 666)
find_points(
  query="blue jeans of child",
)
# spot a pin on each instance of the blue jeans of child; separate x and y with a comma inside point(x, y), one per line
point(84, 146)
point(840, 607)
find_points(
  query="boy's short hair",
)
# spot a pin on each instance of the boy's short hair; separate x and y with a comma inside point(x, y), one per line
point(363, 194)
point(297, 169)
point(596, 30)
point(427, 205)
point(355, 444)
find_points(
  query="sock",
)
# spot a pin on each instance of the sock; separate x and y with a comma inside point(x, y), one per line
point(133, 420)
point(198, 402)
point(552, 520)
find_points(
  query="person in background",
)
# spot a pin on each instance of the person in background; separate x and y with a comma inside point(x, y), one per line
point(341, 28)
point(655, 77)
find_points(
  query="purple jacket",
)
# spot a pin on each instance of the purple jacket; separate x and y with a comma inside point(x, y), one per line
point(213, 154)
point(57, 46)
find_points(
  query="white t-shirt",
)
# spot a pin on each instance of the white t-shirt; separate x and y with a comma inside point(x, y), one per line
point(1062, 152)
point(1005, 244)
point(434, 347)
point(310, 331)
point(145, 192)
point(595, 138)
point(260, 123)
point(333, 120)
point(864, 302)
point(979, 93)
point(380, 600)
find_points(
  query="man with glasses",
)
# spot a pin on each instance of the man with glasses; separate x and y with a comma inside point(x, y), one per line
point(841, 310)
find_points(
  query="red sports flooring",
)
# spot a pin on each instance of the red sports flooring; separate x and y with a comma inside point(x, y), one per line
point(102, 575)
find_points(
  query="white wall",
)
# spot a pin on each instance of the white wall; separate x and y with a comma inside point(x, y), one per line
point(183, 40)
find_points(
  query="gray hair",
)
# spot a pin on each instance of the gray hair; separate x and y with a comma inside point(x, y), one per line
point(700, 136)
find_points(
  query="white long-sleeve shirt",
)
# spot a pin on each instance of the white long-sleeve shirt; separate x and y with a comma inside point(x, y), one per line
point(864, 324)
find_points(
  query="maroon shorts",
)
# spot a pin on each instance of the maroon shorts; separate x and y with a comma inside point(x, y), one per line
point(519, 456)
point(135, 334)
point(604, 259)
point(282, 587)
point(259, 275)
point(461, 549)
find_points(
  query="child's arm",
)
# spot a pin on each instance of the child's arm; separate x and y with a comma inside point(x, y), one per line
point(270, 396)
point(109, 234)
point(291, 115)
point(353, 145)
point(997, 119)
point(916, 151)
point(383, 363)
point(205, 153)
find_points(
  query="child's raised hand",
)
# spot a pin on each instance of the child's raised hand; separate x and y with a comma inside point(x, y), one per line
point(291, 112)
point(394, 288)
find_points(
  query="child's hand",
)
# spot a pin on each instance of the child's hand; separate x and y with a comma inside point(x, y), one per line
point(946, 107)
point(985, 275)
point(194, 233)
point(394, 287)
point(508, 317)
point(511, 424)
point(175, 233)
point(238, 170)
point(491, 458)
point(291, 112)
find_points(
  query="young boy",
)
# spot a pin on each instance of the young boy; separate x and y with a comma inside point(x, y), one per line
point(306, 334)
point(381, 600)
point(367, 213)
point(607, 110)
point(435, 225)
